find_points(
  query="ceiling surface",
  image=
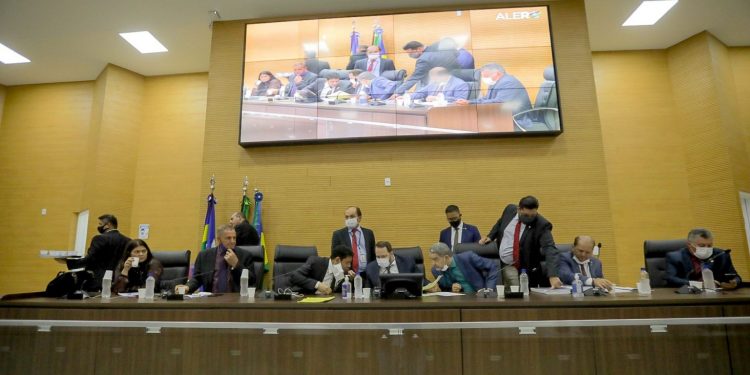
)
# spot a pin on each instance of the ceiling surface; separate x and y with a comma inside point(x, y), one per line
point(72, 40)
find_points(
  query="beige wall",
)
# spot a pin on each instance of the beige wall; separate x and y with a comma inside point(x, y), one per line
point(3, 91)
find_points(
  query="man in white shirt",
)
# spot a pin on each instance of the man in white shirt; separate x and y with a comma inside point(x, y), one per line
point(321, 275)
point(581, 261)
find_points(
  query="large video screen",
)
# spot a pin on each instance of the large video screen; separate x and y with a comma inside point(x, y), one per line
point(467, 73)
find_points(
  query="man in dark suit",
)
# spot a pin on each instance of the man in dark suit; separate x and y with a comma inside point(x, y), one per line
point(427, 58)
point(687, 263)
point(581, 261)
point(246, 233)
point(465, 272)
point(331, 84)
point(360, 240)
point(314, 64)
point(507, 89)
point(361, 54)
point(442, 82)
point(386, 261)
point(458, 231)
point(299, 80)
point(321, 275)
point(524, 239)
point(374, 63)
point(219, 269)
point(104, 253)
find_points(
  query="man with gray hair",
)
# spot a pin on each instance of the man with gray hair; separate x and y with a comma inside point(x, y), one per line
point(218, 269)
point(465, 272)
point(687, 263)
point(378, 88)
point(504, 88)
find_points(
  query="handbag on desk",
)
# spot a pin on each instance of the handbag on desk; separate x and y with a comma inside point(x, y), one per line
point(68, 282)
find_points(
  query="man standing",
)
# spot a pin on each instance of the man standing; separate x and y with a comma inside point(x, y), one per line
point(374, 63)
point(361, 54)
point(427, 58)
point(360, 240)
point(246, 233)
point(458, 231)
point(581, 261)
point(524, 239)
point(687, 263)
point(104, 253)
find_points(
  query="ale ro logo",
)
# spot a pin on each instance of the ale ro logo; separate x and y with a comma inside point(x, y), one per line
point(510, 16)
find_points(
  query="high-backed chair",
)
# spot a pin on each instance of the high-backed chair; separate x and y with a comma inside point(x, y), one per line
point(394, 75)
point(545, 114)
point(654, 253)
point(472, 77)
point(286, 259)
point(176, 267)
point(256, 252)
point(488, 251)
point(414, 253)
point(343, 74)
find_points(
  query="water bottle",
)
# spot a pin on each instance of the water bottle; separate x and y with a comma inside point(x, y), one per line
point(107, 285)
point(150, 281)
point(577, 287)
point(708, 278)
point(644, 284)
point(524, 281)
point(243, 282)
point(346, 288)
point(358, 294)
point(407, 99)
point(362, 99)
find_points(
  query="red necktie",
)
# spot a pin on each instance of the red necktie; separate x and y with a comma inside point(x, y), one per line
point(372, 65)
point(355, 259)
point(516, 245)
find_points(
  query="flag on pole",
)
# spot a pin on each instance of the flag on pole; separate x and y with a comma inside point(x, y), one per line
point(245, 207)
point(258, 224)
point(209, 226)
point(354, 41)
point(377, 39)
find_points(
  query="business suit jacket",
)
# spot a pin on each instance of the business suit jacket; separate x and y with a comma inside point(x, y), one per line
point(567, 268)
point(469, 234)
point(479, 272)
point(404, 265)
point(303, 279)
point(307, 79)
point(104, 253)
point(246, 234)
point(381, 88)
point(536, 244)
point(315, 65)
point(385, 65)
point(354, 58)
point(680, 267)
point(454, 89)
point(203, 270)
point(431, 57)
point(341, 237)
point(320, 85)
point(512, 92)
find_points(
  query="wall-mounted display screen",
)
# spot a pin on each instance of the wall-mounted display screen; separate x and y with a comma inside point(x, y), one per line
point(437, 74)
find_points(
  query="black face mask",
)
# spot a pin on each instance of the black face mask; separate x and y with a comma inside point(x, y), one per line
point(455, 224)
point(101, 229)
point(527, 219)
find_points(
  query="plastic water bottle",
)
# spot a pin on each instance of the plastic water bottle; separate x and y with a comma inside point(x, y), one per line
point(243, 282)
point(644, 284)
point(346, 288)
point(107, 285)
point(150, 281)
point(708, 278)
point(358, 294)
point(577, 287)
point(524, 281)
point(407, 99)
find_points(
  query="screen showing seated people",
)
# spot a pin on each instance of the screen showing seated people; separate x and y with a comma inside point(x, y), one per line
point(459, 73)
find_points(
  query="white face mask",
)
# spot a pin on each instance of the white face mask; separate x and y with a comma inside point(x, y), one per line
point(703, 252)
point(488, 81)
point(338, 271)
point(373, 56)
point(383, 262)
point(351, 223)
point(445, 268)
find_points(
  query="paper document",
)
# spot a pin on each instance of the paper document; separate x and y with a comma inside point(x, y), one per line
point(442, 294)
point(562, 291)
point(198, 295)
point(622, 289)
point(133, 294)
point(315, 299)
point(432, 284)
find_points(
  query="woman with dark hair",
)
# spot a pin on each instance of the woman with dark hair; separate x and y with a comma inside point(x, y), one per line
point(131, 273)
point(267, 84)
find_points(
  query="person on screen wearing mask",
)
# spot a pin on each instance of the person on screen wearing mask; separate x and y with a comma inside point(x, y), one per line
point(320, 275)
point(504, 88)
point(524, 240)
point(360, 240)
point(361, 54)
point(581, 261)
point(104, 253)
point(374, 63)
point(387, 262)
point(429, 57)
point(219, 269)
point(458, 231)
point(129, 275)
point(442, 82)
point(687, 263)
point(466, 272)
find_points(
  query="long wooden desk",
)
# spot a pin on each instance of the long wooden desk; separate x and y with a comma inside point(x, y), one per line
point(683, 349)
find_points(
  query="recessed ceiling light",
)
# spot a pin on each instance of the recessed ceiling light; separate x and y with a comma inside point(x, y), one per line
point(144, 42)
point(9, 56)
point(649, 12)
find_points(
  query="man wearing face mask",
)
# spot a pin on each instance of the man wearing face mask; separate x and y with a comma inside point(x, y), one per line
point(360, 240)
point(687, 263)
point(374, 63)
point(104, 252)
point(386, 262)
point(462, 273)
point(321, 275)
point(442, 82)
point(378, 88)
point(427, 58)
point(581, 261)
point(524, 239)
point(458, 232)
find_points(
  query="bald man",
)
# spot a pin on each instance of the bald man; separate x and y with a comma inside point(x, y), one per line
point(442, 82)
point(581, 261)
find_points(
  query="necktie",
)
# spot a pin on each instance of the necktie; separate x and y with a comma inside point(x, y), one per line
point(455, 239)
point(583, 270)
point(221, 276)
point(516, 245)
point(293, 89)
point(371, 65)
point(355, 250)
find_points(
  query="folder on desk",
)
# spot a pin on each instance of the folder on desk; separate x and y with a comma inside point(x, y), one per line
point(315, 299)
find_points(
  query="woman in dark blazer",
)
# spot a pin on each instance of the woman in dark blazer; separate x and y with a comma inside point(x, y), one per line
point(129, 278)
point(268, 85)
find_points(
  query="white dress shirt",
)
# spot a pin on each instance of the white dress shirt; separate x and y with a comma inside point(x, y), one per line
point(589, 279)
point(328, 278)
point(506, 244)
